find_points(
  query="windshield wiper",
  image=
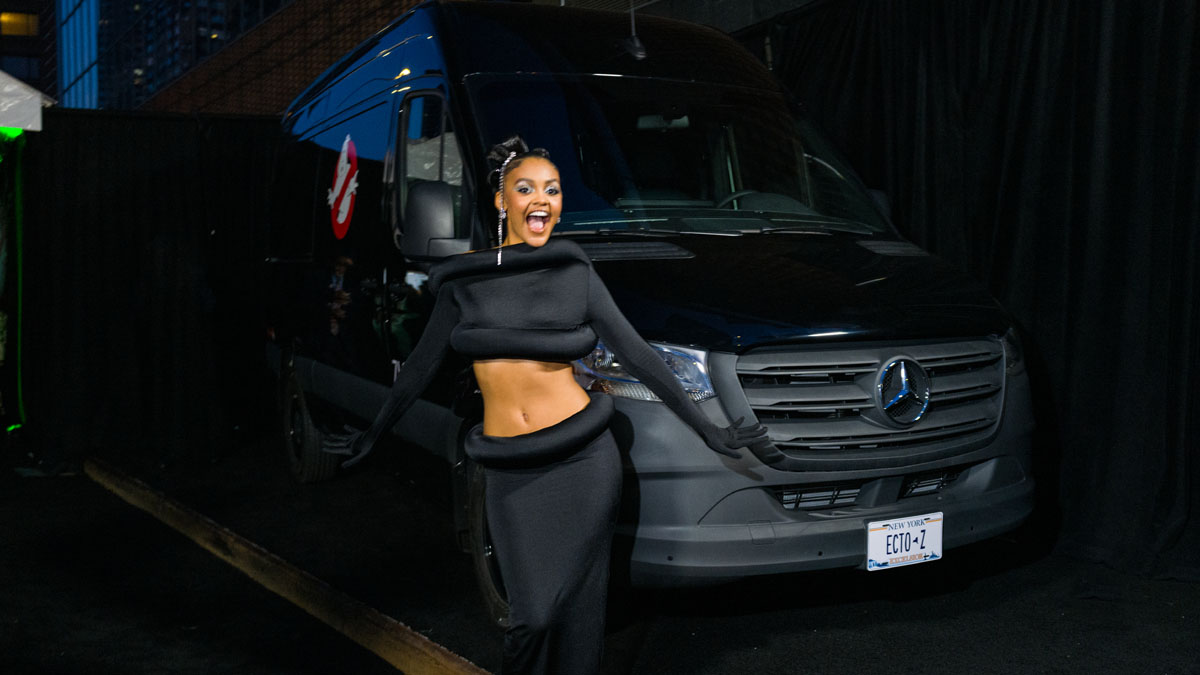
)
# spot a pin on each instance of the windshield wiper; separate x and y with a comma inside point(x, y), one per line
point(652, 232)
point(616, 226)
point(694, 226)
point(822, 226)
point(622, 231)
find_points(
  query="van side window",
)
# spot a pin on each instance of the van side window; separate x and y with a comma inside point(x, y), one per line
point(428, 148)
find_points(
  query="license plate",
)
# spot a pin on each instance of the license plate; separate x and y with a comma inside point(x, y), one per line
point(903, 541)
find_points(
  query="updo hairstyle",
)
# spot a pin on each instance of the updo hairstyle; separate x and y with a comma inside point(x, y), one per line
point(500, 152)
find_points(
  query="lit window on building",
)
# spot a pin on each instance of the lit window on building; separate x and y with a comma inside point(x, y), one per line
point(18, 23)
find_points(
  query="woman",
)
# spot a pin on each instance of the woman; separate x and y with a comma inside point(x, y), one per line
point(523, 312)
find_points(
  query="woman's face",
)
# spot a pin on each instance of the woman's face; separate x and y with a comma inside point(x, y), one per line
point(533, 197)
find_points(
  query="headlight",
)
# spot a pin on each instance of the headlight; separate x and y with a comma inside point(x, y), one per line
point(601, 371)
point(1014, 354)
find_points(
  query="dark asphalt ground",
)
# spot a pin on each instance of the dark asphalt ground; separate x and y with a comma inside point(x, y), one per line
point(89, 584)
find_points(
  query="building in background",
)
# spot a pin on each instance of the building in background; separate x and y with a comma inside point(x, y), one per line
point(77, 32)
point(116, 54)
point(25, 28)
point(270, 64)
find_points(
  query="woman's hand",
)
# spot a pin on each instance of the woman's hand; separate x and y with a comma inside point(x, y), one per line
point(348, 443)
point(726, 440)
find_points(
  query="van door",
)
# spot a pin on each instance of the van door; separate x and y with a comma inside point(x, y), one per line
point(426, 150)
point(427, 147)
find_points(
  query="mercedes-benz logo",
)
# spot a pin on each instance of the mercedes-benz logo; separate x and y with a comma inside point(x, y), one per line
point(903, 391)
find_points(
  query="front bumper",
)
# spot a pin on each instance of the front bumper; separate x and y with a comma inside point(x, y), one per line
point(692, 517)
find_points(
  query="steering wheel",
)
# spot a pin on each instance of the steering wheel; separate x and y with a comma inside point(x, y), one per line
point(728, 199)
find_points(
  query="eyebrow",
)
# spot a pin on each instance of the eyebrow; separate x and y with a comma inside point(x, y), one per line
point(530, 180)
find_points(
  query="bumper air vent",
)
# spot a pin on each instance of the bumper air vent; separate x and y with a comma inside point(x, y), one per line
point(927, 484)
point(809, 497)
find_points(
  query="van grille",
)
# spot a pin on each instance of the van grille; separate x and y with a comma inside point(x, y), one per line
point(814, 402)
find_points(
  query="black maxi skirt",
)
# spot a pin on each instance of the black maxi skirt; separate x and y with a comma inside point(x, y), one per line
point(551, 509)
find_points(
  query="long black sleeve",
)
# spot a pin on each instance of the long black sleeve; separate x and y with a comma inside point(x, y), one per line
point(417, 371)
point(640, 359)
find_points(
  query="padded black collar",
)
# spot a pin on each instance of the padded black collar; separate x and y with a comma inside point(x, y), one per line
point(516, 258)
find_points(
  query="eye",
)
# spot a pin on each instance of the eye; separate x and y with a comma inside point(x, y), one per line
point(552, 190)
point(523, 189)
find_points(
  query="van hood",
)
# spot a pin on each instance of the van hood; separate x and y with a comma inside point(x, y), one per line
point(733, 293)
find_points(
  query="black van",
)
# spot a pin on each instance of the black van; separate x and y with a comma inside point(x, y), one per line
point(729, 232)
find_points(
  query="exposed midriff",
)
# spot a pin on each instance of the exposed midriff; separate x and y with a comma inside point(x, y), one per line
point(521, 395)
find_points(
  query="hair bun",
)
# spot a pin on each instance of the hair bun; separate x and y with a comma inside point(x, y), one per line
point(501, 151)
point(513, 146)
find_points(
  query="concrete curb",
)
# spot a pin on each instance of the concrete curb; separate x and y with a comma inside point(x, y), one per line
point(389, 639)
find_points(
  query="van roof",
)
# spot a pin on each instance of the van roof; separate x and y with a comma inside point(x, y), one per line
point(491, 37)
point(503, 37)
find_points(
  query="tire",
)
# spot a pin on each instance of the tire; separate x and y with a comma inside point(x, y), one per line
point(301, 438)
point(487, 571)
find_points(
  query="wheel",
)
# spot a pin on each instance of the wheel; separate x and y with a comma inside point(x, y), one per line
point(487, 570)
point(301, 438)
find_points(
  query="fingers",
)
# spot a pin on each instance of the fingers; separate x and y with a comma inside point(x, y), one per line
point(357, 452)
point(341, 443)
point(729, 452)
point(338, 444)
point(766, 451)
point(761, 444)
point(742, 436)
point(750, 432)
point(355, 459)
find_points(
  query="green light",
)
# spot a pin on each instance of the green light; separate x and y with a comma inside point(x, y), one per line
point(9, 133)
point(13, 428)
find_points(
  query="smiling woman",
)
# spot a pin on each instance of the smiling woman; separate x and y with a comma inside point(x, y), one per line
point(531, 199)
point(551, 466)
point(526, 395)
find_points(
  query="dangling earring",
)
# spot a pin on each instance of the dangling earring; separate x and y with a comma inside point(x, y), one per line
point(500, 233)
point(503, 212)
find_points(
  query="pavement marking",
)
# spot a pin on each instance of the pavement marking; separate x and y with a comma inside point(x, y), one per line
point(389, 639)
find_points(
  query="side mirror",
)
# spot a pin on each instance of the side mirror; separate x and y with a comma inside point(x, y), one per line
point(429, 223)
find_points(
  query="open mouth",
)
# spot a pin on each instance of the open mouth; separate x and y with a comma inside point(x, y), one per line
point(538, 221)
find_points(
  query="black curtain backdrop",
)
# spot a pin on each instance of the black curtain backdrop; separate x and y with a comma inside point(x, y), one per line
point(1050, 148)
point(11, 174)
point(142, 337)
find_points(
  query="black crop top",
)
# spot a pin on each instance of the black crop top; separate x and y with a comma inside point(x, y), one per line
point(535, 305)
point(543, 303)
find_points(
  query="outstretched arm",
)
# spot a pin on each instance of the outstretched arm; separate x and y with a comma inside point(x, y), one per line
point(643, 362)
point(412, 379)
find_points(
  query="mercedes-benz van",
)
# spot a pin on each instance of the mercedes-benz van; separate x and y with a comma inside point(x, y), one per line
point(731, 234)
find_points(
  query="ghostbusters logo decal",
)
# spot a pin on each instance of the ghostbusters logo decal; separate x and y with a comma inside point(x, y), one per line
point(345, 185)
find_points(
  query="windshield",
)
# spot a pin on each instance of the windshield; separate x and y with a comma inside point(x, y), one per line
point(659, 155)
